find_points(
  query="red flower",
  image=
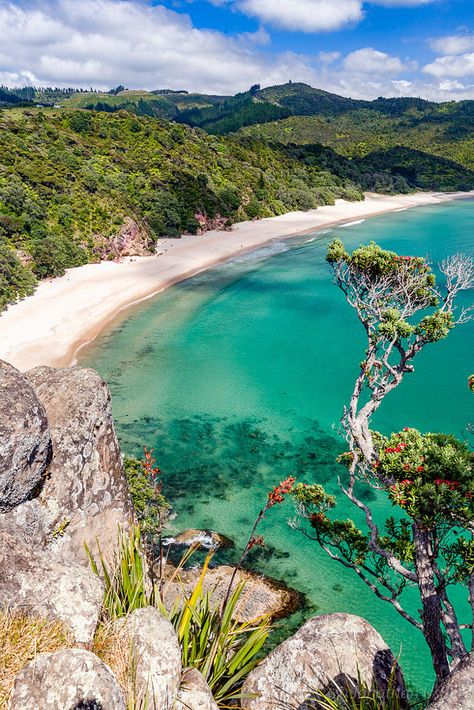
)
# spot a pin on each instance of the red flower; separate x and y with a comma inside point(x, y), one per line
point(420, 469)
point(147, 464)
point(279, 492)
point(255, 541)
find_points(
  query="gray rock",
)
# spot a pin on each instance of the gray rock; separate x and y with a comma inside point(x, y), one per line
point(85, 494)
point(66, 680)
point(262, 595)
point(28, 522)
point(38, 581)
point(25, 442)
point(156, 656)
point(329, 649)
point(457, 692)
point(194, 693)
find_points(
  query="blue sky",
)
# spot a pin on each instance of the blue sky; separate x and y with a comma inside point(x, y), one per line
point(352, 47)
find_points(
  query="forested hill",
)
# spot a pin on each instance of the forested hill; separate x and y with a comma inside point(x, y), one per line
point(83, 185)
point(298, 113)
point(78, 186)
point(291, 113)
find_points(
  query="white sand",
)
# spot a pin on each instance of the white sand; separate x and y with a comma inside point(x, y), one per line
point(63, 314)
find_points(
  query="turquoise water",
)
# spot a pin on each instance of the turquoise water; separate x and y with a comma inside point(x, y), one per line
point(238, 376)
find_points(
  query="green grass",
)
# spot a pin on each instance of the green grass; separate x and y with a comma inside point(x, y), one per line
point(213, 640)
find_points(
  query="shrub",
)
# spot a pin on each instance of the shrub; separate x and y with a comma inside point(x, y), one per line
point(212, 638)
point(16, 280)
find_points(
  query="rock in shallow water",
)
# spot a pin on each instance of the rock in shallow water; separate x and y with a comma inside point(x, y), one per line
point(25, 441)
point(329, 649)
point(202, 539)
point(262, 595)
point(71, 679)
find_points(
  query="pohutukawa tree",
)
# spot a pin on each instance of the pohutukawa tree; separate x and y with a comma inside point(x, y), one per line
point(429, 477)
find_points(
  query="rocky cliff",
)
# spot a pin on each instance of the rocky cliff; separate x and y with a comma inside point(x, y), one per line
point(62, 485)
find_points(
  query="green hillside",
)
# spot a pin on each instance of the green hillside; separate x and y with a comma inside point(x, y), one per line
point(70, 180)
point(447, 131)
point(300, 114)
point(75, 185)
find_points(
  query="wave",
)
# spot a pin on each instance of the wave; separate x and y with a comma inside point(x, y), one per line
point(350, 224)
point(261, 253)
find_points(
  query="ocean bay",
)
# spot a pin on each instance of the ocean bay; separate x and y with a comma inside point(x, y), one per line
point(238, 376)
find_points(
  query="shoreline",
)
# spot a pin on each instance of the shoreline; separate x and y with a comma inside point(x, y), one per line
point(67, 313)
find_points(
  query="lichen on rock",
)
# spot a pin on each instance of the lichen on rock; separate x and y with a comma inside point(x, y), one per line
point(66, 680)
point(328, 651)
point(25, 440)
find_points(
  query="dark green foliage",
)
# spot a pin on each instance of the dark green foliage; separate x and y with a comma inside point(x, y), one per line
point(393, 171)
point(232, 114)
point(16, 97)
point(416, 169)
point(16, 281)
point(151, 507)
point(69, 179)
point(54, 254)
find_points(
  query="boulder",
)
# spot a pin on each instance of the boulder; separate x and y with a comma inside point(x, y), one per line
point(85, 494)
point(262, 595)
point(457, 692)
point(326, 650)
point(71, 679)
point(38, 581)
point(156, 655)
point(194, 693)
point(25, 441)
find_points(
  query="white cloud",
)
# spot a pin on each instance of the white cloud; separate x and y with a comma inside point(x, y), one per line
point(454, 66)
point(107, 42)
point(372, 61)
point(304, 15)
point(453, 44)
point(451, 85)
point(328, 57)
point(103, 43)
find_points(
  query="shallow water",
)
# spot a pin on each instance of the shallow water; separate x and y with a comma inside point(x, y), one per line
point(238, 376)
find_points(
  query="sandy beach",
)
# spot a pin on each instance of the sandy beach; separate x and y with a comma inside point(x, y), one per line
point(49, 327)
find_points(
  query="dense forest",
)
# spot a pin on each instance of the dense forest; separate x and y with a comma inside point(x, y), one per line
point(71, 180)
point(298, 113)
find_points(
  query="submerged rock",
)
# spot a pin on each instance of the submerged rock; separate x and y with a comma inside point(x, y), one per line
point(457, 692)
point(195, 693)
point(202, 539)
point(71, 679)
point(328, 651)
point(25, 441)
point(156, 656)
point(85, 495)
point(262, 595)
